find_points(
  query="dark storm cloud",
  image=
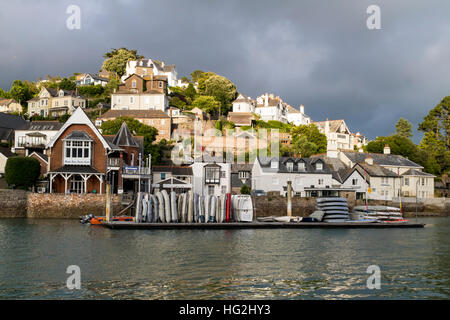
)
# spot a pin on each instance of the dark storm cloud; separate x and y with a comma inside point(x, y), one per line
point(316, 53)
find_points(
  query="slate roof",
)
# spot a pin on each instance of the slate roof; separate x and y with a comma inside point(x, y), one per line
point(339, 170)
point(124, 138)
point(236, 167)
point(382, 159)
point(137, 114)
point(265, 163)
point(375, 170)
point(335, 125)
point(175, 170)
point(11, 121)
point(42, 125)
point(78, 135)
point(6, 134)
point(41, 155)
point(6, 152)
point(413, 172)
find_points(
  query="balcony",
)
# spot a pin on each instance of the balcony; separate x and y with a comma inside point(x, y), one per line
point(113, 163)
point(37, 145)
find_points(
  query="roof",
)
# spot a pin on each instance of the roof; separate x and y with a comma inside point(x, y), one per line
point(40, 155)
point(237, 167)
point(7, 102)
point(76, 169)
point(265, 163)
point(241, 118)
point(42, 125)
point(78, 135)
point(381, 159)
point(339, 170)
point(137, 114)
point(291, 109)
point(6, 134)
point(96, 77)
point(413, 172)
point(375, 170)
point(11, 121)
point(175, 170)
point(335, 125)
point(243, 98)
point(6, 152)
point(124, 138)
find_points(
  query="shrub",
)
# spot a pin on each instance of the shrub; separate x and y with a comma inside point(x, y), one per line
point(22, 172)
point(245, 189)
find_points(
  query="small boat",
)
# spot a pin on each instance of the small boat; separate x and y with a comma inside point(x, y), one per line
point(93, 220)
point(310, 219)
point(283, 219)
point(266, 219)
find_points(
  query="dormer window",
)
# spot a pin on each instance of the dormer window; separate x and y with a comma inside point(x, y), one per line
point(319, 166)
point(290, 166)
point(301, 166)
point(77, 149)
point(274, 164)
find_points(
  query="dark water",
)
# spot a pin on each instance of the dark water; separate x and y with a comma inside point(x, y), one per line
point(220, 264)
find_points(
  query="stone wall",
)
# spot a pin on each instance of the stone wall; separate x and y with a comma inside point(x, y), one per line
point(22, 204)
point(276, 205)
point(13, 203)
point(71, 206)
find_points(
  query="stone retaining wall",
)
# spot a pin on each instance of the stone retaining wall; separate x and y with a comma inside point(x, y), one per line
point(13, 203)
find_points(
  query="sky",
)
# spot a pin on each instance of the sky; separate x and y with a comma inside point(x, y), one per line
point(317, 53)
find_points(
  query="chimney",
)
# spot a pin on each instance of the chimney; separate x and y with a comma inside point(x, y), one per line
point(266, 100)
point(162, 64)
point(327, 126)
point(360, 150)
point(387, 149)
point(369, 160)
point(302, 109)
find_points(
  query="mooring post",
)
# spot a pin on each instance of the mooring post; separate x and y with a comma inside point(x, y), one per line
point(289, 198)
point(108, 202)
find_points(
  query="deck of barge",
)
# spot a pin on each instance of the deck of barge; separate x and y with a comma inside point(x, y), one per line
point(260, 225)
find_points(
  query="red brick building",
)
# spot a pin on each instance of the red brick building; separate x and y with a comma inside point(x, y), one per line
point(81, 160)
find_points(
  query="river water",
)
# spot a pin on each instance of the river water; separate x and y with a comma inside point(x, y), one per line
point(222, 264)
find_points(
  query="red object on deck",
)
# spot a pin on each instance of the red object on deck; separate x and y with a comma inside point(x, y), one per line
point(98, 220)
point(228, 206)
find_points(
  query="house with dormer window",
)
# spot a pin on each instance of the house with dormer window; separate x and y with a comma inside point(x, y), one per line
point(55, 103)
point(310, 177)
point(81, 160)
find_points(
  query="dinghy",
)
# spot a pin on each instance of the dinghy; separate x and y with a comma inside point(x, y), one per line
point(283, 219)
point(173, 206)
point(155, 208)
point(201, 209)
point(184, 208)
point(212, 209)
point(167, 210)
point(207, 207)
point(138, 216)
point(190, 214)
point(161, 213)
point(149, 209)
point(179, 206)
point(196, 213)
point(144, 207)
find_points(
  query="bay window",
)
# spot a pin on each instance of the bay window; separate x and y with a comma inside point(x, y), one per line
point(77, 152)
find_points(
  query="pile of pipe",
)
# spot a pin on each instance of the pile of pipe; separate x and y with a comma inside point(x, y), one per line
point(334, 209)
point(190, 207)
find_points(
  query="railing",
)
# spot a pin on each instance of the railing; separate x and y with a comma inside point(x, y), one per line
point(30, 145)
point(113, 162)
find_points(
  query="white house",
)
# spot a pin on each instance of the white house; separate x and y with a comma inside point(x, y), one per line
point(10, 106)
point(244, 104)
point(269, 107)
point(211, 177)
point(297, 117)
point(33, 136)
point(310, 177)
point(88, 79)
point(147, 67)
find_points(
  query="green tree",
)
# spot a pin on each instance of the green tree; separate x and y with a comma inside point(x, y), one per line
point(22, 172)
point(66, 84)
point(22, 91)
point(196, 75)
point(438, 122)
point(245, 189)
point(307, 140)
point(403, 128)
point(223, 90)
point(207, 103)
point(4, 94)
point(116, 60)
point(149, 133)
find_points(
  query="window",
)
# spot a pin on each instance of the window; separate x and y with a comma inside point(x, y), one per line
point(131, 99)
point(163, 175)
point(212, 175)
point(385, 180)
point(133, 84)
point(223, 174)
point(319, 166)
point(66, 102)
point(354, 182)
point(160, 84)
point(274, 164)
point(224, 189)
point(406, 182)
point(244, 174)
point(290, 166)
point(301, 166)
point(76, 184)
point(320, 182)
point(423, 181)
point(77, 152)
point(211, 190)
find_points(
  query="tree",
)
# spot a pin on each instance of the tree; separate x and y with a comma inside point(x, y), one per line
point(438, 122)
point(403, 128)
point(4, 94)
point(196, 75)
point(307, 140)
point(223, 90)
point(66, 84)
point(116, 60)
point(206, 103)
point(137, 128)
point(22, 172)
point(245, 189)
point(22, 91)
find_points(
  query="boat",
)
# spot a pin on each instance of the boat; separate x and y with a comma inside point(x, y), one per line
point(283, 219)
point(334, 209)
point(167, 210)
point(161, 214)
point(190, 211)
point(173, 206)
point(242, 206)
point(196, 208)
point(98, 220)
point(212, 209)
point(379, 213)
